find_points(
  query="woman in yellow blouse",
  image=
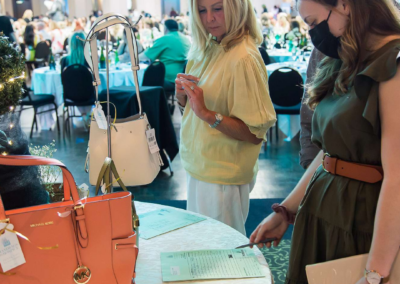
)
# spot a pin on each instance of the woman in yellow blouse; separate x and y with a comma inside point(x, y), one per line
point(227, 109)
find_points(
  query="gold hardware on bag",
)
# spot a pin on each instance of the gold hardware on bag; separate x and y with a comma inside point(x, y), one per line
point(5, 220)
point(82, 275)
point(79, 206)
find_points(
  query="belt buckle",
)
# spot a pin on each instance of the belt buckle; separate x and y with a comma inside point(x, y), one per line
point(323, 161)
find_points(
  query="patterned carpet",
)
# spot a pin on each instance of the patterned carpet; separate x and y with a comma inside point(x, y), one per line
point(278, 260)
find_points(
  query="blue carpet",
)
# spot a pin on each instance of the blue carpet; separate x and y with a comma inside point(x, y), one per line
point(259, 209)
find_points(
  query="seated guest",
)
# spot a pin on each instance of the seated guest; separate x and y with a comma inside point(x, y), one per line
point(42, 33)
point(28, 15)
point(172, 50)
point(30, 40)
point(7, 29)
point(123, 50)
point(76, 52)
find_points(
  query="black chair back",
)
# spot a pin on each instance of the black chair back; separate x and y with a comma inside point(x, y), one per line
point(78, 86)
point(286, 87)
point(154, 75)
point(43, 51)
point(264, 55)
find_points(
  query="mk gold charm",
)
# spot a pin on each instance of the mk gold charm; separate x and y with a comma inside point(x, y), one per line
point(82, 275)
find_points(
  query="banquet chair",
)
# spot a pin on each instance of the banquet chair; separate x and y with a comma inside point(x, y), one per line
point(36, 101)
point(42, 53)
point(286, 89)
point(170, 95)
point(77, 81)
point(154, 75)
point(264, 55)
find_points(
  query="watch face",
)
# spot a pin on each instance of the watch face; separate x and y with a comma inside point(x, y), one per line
point(373, 278)
point(219, 116)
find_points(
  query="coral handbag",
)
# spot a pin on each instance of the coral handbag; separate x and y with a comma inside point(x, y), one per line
point(87, 241)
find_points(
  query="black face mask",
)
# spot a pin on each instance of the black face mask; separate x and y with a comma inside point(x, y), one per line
point(324, 40)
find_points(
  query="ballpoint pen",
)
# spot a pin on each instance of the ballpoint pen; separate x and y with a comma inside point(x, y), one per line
point(261, 242)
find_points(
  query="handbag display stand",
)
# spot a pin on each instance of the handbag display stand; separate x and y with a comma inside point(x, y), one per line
point(129, 142)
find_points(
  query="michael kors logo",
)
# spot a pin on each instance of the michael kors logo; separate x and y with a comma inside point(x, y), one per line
point(42, 224)
point(82, 275)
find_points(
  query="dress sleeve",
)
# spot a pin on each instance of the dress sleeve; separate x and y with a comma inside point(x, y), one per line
point(367, 82)
point(248, 98)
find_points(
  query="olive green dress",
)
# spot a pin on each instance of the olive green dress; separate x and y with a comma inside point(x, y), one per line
point(336, 216)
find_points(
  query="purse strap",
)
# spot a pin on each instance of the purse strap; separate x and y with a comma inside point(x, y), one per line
point(92, 57)
point(69, 182)
point(108, 166)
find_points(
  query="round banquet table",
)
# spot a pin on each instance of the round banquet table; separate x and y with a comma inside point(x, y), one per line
point(289, 124)
point(208, 234)
point(280, 55)
point(46, 81)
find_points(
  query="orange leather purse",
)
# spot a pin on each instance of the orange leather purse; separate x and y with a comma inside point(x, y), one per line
point(93, 239)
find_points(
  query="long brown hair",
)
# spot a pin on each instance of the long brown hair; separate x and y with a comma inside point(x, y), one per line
point(377, 17)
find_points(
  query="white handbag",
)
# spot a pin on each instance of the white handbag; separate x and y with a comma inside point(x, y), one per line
point(345, 271)
point(129, 144)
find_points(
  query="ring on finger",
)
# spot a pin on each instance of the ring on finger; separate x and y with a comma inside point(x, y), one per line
point(192, 88)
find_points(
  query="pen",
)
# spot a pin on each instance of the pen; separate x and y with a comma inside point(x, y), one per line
point(261, 242)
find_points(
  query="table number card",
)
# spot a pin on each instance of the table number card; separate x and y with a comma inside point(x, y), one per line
point(162, 221)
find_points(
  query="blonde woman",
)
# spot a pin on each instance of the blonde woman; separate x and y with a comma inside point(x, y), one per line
point(227, 109)
point(282, 25)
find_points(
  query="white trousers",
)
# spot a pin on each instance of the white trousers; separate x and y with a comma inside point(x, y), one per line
point(228, 204)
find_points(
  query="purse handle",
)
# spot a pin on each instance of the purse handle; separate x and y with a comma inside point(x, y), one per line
point(92, 57)
point(69, 182)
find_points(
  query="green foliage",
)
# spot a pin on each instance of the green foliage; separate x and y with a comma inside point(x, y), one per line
point(48, 175)
point(12, 64)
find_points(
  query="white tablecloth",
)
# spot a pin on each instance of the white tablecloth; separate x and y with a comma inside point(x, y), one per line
point(280, 55)
point(289, 124)
point(46, 81)
point(209, 234)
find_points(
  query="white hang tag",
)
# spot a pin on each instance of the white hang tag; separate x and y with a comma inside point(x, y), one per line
point(11, 254)
point(151, 140)
point(83, 190)
point(100, 117)
point(103, 188)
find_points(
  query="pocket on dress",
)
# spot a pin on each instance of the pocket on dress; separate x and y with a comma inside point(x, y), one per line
point(124, 254)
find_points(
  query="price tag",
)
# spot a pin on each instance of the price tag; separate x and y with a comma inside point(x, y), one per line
point(11, 254)
point(151, 140)
point(100, 117)
point(103, 188)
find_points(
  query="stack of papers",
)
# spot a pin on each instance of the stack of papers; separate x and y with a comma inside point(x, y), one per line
point(162, 221)
point(210, 264)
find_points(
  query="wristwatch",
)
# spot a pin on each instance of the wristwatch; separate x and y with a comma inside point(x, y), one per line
point(373, 277)
point(218, 118)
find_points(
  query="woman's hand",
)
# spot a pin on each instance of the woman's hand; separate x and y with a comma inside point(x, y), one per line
point(196, 99)
point(274, 226)
point(179, 91)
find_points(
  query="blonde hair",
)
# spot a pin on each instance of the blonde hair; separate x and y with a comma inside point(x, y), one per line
point(240, 20)
point(28, 14)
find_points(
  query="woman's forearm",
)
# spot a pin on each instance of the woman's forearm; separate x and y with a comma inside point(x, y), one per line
point(386, 240)
point(292, 202)
point(233, 127)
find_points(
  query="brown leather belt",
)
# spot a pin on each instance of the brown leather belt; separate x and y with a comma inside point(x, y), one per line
point(361, 172)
